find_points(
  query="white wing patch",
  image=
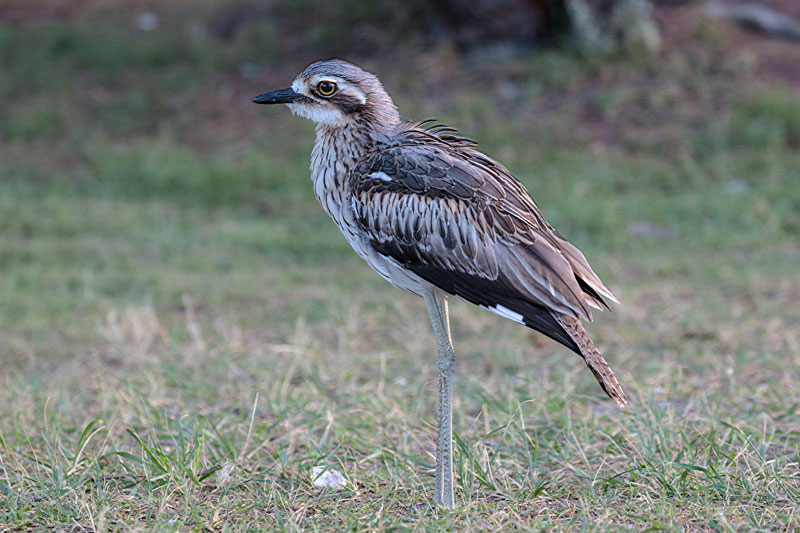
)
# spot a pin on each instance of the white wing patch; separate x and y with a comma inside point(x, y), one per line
point(505, 312)
point(380, 176)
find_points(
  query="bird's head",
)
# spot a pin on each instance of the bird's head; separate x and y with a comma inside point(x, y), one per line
point(335, 93)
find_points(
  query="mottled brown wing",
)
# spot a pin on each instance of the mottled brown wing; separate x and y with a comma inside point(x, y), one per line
point(462, 222)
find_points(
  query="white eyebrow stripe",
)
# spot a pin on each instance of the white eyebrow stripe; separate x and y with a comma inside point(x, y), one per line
point(319, 77)
point(355, 93)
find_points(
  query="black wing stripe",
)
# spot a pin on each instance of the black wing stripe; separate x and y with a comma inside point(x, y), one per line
point(485, 293)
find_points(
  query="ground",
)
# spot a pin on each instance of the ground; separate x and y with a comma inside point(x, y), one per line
point(185, 335)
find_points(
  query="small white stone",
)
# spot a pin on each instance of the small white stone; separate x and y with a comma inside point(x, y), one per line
point(322, 478)
point(225, 472)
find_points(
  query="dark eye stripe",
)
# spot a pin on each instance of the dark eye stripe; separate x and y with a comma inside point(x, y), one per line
point(347, 103)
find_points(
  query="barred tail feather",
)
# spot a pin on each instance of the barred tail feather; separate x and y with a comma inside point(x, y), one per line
point(602, 372)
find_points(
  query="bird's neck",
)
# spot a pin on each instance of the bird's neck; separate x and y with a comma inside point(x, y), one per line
point(335, 152)
point(343, 145)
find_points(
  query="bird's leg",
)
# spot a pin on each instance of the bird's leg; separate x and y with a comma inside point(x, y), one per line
point(446, 361)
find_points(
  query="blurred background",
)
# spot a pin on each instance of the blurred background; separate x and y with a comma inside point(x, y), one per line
point(125, 125)
point(162, 253)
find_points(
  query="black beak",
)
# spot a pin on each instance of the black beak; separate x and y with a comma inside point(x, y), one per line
point(281, 96)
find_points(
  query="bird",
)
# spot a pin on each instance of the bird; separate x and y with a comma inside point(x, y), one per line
point(437, 218)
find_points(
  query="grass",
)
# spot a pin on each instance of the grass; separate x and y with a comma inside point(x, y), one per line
point(185, 335)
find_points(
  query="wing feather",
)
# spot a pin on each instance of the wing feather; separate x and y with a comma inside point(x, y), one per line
point(461, 221)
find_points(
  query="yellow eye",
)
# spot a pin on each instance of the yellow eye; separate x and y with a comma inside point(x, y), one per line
point(326, 88)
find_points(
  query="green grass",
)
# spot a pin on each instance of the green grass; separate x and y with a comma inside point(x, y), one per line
point(185, 335)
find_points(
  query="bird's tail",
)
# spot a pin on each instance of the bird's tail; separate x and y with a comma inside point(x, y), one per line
point(593, 359)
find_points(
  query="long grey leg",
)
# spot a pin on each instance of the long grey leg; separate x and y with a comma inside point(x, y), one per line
point(446, 361)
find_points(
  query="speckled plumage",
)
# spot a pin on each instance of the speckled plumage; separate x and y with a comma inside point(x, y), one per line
point(426, 210)
point(432, 214)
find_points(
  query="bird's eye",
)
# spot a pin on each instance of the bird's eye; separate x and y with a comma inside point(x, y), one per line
point(326, 88)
